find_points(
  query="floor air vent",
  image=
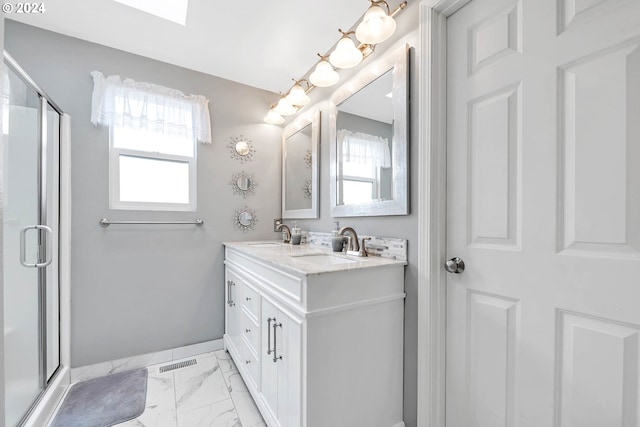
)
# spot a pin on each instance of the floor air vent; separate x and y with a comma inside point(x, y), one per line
point(178, 365)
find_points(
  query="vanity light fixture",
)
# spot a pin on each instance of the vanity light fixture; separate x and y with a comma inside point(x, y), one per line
point(324, 74)
point(346, 54)
point(297, 95)
point(284, 107)
point(375, 27)
point(273, 118)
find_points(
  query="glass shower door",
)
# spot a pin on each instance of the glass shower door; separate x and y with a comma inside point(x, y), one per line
point(27, 245)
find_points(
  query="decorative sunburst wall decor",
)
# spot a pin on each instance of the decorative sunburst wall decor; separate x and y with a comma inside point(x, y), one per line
point(306, 188)
point(307, 159)
point(245, 219)
point(241, 148)
point(243, 183)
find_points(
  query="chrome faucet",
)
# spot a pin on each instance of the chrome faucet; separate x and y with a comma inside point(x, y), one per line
point(286, 232)
point(363, 247)
point(353, 241)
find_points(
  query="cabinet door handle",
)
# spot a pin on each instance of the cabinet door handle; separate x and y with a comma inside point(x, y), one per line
point(269, 334)
point(275, 344)
point(248, 298)
point(229, 297)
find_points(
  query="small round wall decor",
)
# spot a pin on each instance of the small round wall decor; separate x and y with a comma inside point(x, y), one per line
point(241, 148)
point(245, 219)
point(243, 183)
point(307, 159)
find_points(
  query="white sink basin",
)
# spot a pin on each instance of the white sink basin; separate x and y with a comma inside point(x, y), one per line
point(263, 245)
point(324, 259)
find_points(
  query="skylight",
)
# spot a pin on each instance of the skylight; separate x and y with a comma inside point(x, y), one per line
point(171, 10)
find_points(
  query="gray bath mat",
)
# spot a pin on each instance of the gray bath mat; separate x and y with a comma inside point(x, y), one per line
point(104, 401)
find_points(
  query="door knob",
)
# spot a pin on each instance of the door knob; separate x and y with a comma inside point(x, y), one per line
point(454, 265)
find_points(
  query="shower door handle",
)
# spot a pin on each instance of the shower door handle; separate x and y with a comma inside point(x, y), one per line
point(48, 256)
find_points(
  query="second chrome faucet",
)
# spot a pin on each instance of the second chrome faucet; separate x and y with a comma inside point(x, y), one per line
point(354, 244)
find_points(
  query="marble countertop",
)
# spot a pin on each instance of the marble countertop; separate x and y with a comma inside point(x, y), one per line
point(298, 259)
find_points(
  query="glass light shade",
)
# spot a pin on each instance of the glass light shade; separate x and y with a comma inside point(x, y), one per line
point(324, 75)
point(376, 26)
point(346, 54)
point(273, 118)
point(284, 108)
point(297, 96)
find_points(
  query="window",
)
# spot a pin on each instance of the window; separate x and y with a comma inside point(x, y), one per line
point(152, 171)
point(174, 10)
point(359, 182)
point(364, 158)
point(153, 135)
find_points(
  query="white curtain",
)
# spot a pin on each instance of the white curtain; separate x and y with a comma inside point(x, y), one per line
point(362, 148)
point(147, 106)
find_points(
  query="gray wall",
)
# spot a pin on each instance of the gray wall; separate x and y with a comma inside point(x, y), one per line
point(138, 289)
point(392, 226)
point(355, 123)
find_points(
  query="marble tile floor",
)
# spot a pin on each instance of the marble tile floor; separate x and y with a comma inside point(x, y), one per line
point(209, 394)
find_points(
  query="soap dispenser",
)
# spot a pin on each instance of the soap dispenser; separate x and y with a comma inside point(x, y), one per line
point(337, 240)
point(296, 234)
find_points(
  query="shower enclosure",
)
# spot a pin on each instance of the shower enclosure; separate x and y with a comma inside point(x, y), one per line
point(30, 198)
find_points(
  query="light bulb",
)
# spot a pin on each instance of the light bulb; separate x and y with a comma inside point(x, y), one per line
point(376, 26)
point(284, 108)
point(273, 118)
point(324, 75)
point(297, 96)
point(346, 54)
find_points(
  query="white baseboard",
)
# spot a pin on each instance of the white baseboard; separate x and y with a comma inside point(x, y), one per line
point(105, 368)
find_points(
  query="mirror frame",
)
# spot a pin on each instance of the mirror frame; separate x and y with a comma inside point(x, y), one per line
point(313, 119)
point(396, 60)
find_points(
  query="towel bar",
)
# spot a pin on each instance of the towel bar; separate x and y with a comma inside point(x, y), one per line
point(105, 222)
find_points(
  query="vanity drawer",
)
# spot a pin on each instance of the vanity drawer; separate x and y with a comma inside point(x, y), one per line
point(250, 332)
point(251, 300)
point(253, 367)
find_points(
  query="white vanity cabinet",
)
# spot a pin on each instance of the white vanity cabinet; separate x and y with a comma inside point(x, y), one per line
point(329, 351)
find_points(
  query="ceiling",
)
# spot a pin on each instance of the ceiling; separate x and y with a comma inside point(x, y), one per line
point(259, 43)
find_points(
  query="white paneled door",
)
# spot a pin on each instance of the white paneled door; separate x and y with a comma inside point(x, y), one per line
point(543, 189)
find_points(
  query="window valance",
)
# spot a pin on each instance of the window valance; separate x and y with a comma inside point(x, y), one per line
point(363, 148)
point(147, 106)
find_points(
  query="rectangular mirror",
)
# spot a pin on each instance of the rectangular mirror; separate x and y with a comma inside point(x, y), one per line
point(369, 141)
point(300, 141)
